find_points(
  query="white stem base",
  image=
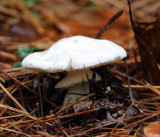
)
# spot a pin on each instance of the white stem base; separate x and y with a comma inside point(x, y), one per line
point(76, 92)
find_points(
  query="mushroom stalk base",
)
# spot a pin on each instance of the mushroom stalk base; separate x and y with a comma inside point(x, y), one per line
point(76, 92)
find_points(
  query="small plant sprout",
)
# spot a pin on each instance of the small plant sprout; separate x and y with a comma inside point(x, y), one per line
point(76, 55)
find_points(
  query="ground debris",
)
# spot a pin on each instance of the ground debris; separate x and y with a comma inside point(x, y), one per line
point(107, 111)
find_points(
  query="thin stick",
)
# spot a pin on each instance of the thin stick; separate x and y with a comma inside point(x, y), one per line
point(1, 79)
point(64, 133)
point(18, 104)
point(18, 81)
point(142, 120)
point(122, 118)
point(130, 15)
point(12, 116)
point(116, 16)
point(14, 69)
point(123, 75)
point(14, 131)
point(141, 86)
point(40, 97)
point(129, 84)
point(3, 112)
point(49, 118)
point(11, 108)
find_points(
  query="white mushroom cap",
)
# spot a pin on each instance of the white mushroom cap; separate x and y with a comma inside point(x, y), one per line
point(74, 53)
point(76, 77)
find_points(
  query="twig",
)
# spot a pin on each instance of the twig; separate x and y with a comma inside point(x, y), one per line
point(116, 16)
point(129, 85)
point(27, 14)
point(18, 104)
point(7, 55)
point(13, 116)
point(13, 109)
point(130, 15)
point(81, 133)
point(124, 75)
point(14, 131)
point(1, 79)
point(4, 111)
point(122, 117)
point(142, 86)
point(142, 120)
point(18, 82)
point(53, 117)
point(64, 133)
point(152, 88)
point(40, 97)
point(14, 69)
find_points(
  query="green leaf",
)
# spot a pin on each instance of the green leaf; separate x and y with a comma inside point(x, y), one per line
point(91, 5)
point(17, 64)
point(29, 2)
point(25, 51)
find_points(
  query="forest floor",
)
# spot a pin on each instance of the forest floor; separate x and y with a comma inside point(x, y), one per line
point(29, 102)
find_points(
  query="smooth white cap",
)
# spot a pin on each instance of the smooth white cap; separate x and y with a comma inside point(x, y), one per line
point(74, 53)
point(76, 77)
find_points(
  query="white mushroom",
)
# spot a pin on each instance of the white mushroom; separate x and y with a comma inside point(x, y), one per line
point(75, 55)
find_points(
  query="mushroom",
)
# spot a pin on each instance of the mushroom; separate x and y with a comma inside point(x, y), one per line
point(152, 130)
point(76, 55)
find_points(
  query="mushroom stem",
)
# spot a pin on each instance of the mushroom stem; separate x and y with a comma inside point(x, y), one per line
point(76, 92)
point(77, 84)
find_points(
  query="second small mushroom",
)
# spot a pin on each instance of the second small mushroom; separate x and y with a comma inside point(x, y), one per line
point(76, 55)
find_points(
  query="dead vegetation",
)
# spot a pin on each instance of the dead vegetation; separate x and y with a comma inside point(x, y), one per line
point(29, 103)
